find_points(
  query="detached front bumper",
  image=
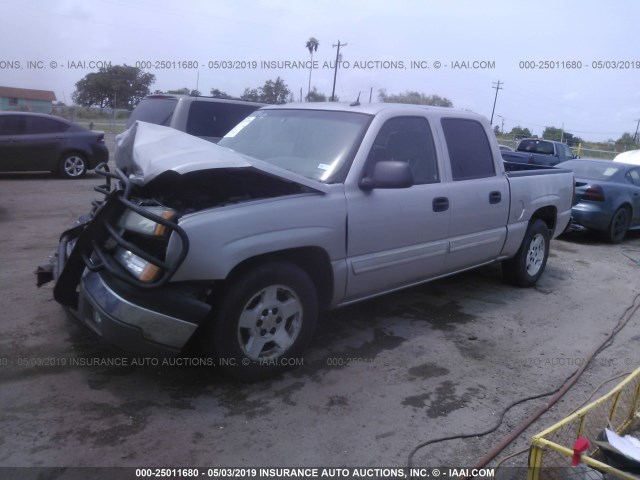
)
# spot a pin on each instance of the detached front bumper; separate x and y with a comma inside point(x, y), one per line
point(154, 322)
point(156, 318)
point(146, 325)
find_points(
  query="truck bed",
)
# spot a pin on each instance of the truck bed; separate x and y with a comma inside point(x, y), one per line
point(514, 169)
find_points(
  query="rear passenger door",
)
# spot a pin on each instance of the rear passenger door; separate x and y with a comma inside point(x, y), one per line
point(478, 195)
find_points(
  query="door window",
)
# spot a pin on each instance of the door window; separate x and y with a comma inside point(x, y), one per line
point(43, 125)
point(634, 176)
point(12, 125)
point(469, 149)
point(407, 139)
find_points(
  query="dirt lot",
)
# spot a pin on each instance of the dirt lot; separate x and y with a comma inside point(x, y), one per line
point(381, 377)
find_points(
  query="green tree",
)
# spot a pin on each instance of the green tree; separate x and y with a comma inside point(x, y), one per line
point(315, 96)
point(416, 98)
point(273, 92)
point(552, 133)
point(117, 86)
point(626, 142)
point(251, 95)
point(180, 91)
point(219, 93)
point(520, 132)
point(312, 46)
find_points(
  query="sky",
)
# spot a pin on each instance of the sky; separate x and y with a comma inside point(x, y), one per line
point(560, 63)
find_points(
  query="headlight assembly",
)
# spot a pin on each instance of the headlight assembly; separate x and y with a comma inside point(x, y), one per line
point(135, 222)
point(139, 267)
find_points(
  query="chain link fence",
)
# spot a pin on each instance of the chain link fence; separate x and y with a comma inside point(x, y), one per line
point(106, 119)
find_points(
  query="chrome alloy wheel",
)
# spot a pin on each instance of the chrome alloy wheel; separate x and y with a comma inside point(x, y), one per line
point(74, 166)
point(535, 254)
point(270, 323)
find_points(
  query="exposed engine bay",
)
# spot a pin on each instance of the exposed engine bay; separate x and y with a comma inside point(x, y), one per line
point(198, 190)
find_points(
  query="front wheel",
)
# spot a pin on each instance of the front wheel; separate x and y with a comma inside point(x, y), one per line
point(527, 266)
point(264, 321)
point(72, 165)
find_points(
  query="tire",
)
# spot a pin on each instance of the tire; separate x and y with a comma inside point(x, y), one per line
point(72, 165)
point(618, 226)
point(527, 266)
point(264, 321)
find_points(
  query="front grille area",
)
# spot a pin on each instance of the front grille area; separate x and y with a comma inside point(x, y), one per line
point(109, 237)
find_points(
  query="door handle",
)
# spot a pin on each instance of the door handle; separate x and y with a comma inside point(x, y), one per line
point(495, 197)
point(440, 204)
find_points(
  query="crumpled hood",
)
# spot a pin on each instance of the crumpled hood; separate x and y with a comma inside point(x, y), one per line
point(146, 150)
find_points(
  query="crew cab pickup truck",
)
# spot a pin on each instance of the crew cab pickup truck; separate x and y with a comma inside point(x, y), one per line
point(298, 209)
point(537, 151)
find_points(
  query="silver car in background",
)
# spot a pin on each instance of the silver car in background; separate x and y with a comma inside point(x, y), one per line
point(607, 196)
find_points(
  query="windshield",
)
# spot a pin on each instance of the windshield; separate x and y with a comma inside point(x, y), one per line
point(156, 110)
point(591, 171)
point(312, 143)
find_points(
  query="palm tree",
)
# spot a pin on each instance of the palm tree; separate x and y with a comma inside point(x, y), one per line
point(312, 46)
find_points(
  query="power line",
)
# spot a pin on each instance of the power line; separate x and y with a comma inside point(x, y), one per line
point(335, 70)
point(497, 87)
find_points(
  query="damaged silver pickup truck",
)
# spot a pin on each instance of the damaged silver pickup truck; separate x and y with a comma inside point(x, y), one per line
point(300, 208)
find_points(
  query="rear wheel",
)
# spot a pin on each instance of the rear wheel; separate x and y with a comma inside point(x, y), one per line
point(527, 266)
point(618, 226)
point(72, 165)
point(265, 319)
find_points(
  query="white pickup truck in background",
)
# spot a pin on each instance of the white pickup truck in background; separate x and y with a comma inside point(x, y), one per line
point(299, 208)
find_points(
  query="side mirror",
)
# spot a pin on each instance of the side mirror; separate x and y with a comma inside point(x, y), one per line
point(388, 174)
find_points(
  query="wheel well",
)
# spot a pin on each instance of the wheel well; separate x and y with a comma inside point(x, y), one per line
point(627, 206)
point(548, 215)
point(313, 260)
point(66, 153)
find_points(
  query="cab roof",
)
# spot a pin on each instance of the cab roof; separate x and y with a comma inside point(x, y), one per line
point(375, 108)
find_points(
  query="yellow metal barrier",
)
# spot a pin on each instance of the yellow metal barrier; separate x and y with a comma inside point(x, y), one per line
point(551, 450)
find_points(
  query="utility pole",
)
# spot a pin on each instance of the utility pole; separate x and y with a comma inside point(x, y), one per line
point(335, 70)
point(635, 136)
point(497, 87)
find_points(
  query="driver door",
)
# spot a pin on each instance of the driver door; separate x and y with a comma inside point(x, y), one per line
point(397, 237)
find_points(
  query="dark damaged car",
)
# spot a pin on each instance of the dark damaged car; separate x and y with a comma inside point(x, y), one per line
point(32, 142)
point(298, 209)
